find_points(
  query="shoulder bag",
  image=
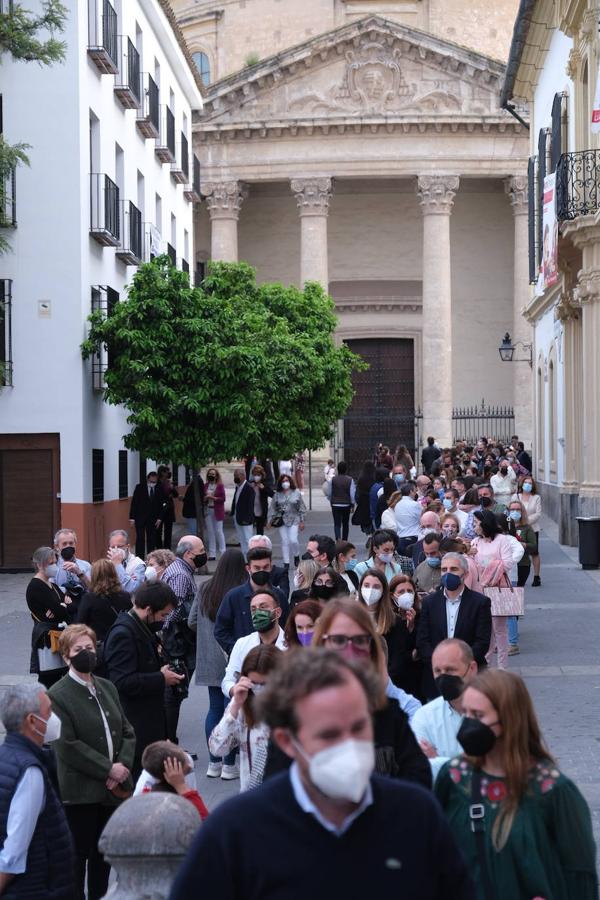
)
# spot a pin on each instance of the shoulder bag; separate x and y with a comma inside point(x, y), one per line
point(507, 600)
point(477, 818)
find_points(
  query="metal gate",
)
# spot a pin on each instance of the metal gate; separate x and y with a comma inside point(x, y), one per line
point(382, 409)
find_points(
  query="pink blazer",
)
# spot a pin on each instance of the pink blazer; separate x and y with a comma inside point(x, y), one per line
point(219, 501)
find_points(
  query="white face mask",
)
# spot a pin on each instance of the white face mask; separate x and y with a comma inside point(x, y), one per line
point(51, 570)
point(386, 557)
point(257, 477)
point(371, 595)
point(285, 485)
point(342, 772)
point(151, 573)
point(298, 581)
point(53, 726)
point(405, 601)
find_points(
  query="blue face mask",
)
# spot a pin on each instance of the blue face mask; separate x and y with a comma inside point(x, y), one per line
point(433, 561)
point(515, 515)
point(399, 478)
point(451, 581)
point(351, 564)
point(448, 504)
point(528, 487)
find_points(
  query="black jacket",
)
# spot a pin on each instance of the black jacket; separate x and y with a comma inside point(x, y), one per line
point(145, 509)
point(428, 457)
point(242, 510)
point(133, 665)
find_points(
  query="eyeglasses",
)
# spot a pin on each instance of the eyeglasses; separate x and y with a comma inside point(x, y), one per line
point(341, 641)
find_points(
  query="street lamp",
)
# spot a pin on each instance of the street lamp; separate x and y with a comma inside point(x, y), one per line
point(507, 351)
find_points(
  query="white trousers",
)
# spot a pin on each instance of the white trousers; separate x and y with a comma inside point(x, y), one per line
point(289, 542)
point(214, 531)
point(244, 533)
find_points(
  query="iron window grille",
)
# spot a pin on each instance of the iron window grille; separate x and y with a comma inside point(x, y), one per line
point(8, 201)
point(105, 226)
point(104, 299)
point(577, 190)
point(97, 476)
point(192, 191)
point(171, 253)
point(130, 250)
point(6, 362)
point(128, 79)
point(148, 117)
point(102, 36)
point(123, 475)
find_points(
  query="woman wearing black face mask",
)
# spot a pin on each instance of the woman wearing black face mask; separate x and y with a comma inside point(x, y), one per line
point(94, 754)
point(327, 584)
point(536, 834)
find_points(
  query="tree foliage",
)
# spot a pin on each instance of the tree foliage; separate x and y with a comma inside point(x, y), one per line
point(30, 38)
point(231, 367)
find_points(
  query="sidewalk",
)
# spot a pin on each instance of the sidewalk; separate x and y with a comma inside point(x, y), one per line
point(559, 660)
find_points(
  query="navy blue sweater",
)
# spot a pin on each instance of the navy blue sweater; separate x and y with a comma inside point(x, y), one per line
point(263, 846)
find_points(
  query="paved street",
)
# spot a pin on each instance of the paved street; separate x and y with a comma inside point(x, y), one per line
point(559, 660)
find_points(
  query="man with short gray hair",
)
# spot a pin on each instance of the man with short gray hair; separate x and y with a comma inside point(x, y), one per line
point(36, 855)
point(453, 611)
point(130, 568)
point(73, 573)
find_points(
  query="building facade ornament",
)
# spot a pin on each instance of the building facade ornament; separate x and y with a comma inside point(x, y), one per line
point(437, 192)
point(312, 195)
point(224, 198)
point(516, 189)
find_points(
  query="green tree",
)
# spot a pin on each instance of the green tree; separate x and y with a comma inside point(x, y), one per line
point(210, 373)
point(30, 38)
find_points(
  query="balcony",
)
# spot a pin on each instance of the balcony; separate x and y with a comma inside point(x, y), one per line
point(172, 254)
point(104, 208)
point(152, 241)
point(8, 201)
point(192, 191)
point(127, 80)
point(102, 36)
point(577, 185)
point(185, 266)
point(130, 250)
point(6, 364)
point(180, 170)
point(148, 118)
point(165, 145)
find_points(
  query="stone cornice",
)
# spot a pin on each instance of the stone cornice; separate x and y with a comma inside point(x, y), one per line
point(502, 124)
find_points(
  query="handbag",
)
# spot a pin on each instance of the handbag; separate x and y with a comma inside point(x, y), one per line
point(49, 659)
point(506, 601)
point(277, 521)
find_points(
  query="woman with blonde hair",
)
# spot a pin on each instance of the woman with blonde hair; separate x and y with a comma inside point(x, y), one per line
point(157, 561)
point(523, 827)
point(347, 627)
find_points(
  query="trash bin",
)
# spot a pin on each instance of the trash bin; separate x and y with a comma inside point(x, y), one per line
point(589, 541)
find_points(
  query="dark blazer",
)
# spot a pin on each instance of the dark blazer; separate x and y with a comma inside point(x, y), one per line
point(416, 553)
point(133, 665)
point(145, 509)
point(233, 617)
point(473, 624)
point(243, 510)
point(428, 457)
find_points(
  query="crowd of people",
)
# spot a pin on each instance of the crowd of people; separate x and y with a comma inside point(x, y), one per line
point(342, 693)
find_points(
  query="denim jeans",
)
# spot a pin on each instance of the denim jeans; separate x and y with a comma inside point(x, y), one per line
point(513, 630)
point(217, 703)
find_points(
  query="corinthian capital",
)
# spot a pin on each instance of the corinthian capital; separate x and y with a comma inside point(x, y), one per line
point(224, 198)
point(436, 193)
point(516, 188)
point(312, 195)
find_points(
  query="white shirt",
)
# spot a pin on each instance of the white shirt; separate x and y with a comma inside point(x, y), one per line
point(305, 803)
point(452, 608)
point(408, 513)
point(241, 649)
point(92, 689)
point(132, 573)
point(26, 805)
point(438, 722)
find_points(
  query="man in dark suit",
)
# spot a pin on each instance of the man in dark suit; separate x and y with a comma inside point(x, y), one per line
point(429, 455)
point(453, 611)
point(242, 509)
point(145, 514)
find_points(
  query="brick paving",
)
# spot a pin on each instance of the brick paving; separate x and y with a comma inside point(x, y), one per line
point(559, 638)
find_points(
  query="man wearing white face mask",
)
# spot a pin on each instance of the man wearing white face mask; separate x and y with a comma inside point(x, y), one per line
point(29, 803)
point(350, 825)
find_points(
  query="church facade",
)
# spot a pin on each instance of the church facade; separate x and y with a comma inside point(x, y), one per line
point(362, 145)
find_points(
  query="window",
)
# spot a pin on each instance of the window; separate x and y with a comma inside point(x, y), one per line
point(123, 476)
point(203, 65)
point(97, 476)
point(103, 299)
point(552, 414)
point(5, 332)
point(541, 174)
point(558, 143)
point(531, 209)
point(541, 421)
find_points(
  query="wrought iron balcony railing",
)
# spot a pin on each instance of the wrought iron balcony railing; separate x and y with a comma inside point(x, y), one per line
point(104, 209)
point(128, 78)
point(192, 191)
point(131, 248)
point(165, 144)
point(102, 36)
point(578, 184)
point(148, 117)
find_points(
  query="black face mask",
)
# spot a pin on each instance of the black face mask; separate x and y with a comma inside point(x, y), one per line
point(211, 477)
point(486, 501)
point(450, 686)
point(155, 627)
point(200, 560)
point(475, 737)
point(261, 578)
point(237, 480)
point(85, 661)
point(68, 553)
point(322, 591)
point(307, 555)
point(504, 471)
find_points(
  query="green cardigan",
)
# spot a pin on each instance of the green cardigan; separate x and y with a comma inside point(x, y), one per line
point(82, 750)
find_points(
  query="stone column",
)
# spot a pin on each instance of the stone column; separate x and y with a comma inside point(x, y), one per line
point(224, 201)
point(436, 193)
point(516, 188)
point(313, 196)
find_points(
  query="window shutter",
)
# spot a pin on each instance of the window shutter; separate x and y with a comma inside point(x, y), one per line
point(556, 137)
point(541, 174)
point(531, 219)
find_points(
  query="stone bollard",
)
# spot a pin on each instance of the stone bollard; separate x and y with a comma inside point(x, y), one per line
point(145, 841)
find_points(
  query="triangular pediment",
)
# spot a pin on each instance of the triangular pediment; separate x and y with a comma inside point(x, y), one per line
point(370, 69)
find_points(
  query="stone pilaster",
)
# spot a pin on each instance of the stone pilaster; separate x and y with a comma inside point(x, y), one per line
point(516, 189)
point(436, 194)
point(224, 201)
point(313, 196)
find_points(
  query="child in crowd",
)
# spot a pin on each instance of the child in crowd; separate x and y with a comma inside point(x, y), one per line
point(167, 765)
